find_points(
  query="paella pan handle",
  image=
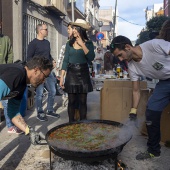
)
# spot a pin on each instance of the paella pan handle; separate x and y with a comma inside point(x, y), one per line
point(45, 143)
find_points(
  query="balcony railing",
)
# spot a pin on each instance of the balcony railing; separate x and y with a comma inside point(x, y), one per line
point(93, 21)
point(96, 24)
point(90, 19)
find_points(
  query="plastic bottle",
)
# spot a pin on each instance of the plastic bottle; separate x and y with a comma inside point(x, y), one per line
point(125, 74)
point(118, 70)
point(121, 74)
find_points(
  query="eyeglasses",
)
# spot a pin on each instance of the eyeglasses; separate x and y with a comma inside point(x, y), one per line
point(45, 76)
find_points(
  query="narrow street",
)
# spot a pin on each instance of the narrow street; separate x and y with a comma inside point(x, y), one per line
point(18, 154)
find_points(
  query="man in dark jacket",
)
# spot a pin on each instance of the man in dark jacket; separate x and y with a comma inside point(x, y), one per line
point(6, 57)
point(13, 81)
point(41, 47)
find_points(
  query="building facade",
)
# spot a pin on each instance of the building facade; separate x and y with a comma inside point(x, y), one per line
point(167, 8)
point(106, 15)
point(92, 16)
point(154, 10)
point(20, 18)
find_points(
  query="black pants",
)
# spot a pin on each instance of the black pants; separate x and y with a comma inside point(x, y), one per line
point(72, 99)
point(156, 104)
point(153, 128)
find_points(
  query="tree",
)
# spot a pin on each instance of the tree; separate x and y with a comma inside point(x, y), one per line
point(153, 27)
point(144, 36)
point(155, 23)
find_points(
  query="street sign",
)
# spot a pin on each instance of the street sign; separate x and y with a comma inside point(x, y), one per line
point(99, 36)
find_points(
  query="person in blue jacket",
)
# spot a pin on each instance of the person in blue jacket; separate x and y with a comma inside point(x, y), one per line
point(13, 81)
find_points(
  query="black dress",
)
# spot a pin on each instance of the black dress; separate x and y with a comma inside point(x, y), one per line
point(78, 79)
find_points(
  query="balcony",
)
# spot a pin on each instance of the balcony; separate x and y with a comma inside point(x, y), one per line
point(93, 22)
point(56, 6)
point(77, 12)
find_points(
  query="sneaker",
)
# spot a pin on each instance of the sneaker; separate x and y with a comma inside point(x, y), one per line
point(42, 117)
point(53, 114)
point(14, 129)
point(18, 131)
point(146, 155)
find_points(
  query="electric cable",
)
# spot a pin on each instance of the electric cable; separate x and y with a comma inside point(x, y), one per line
point(129, 21)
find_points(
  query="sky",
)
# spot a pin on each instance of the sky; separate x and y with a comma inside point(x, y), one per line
point(132, 11)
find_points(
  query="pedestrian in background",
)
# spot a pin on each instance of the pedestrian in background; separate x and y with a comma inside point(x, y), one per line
point(79, 52)
point(98, 60)
point(6, 56)
point(150, 59)
point(108, 62)
point(41, 47)
point(62, 51)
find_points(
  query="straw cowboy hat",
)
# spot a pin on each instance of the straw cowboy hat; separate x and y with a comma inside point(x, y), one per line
point(81, 23)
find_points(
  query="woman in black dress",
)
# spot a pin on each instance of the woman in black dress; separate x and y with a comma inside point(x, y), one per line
point(79, 53)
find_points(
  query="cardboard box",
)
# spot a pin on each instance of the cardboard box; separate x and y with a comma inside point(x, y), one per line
point(116, 101)
point(110, 83)
point(116, 104)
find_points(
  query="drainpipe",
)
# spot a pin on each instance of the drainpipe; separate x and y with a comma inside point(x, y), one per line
point(114, 23)
point(72, 10)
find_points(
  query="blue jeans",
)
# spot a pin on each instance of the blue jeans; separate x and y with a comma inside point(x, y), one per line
point(8, 120)
point(156, 103)
point(98, 68)
point(23, 105)
point(50, 85)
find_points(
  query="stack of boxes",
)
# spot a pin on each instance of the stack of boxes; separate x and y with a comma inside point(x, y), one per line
point(116, 102)
point(116, 99)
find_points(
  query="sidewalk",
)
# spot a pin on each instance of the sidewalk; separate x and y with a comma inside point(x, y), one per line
point(18, 154)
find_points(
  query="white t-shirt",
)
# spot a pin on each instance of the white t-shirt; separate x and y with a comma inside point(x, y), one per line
point(98, 58)
point(155, 63)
